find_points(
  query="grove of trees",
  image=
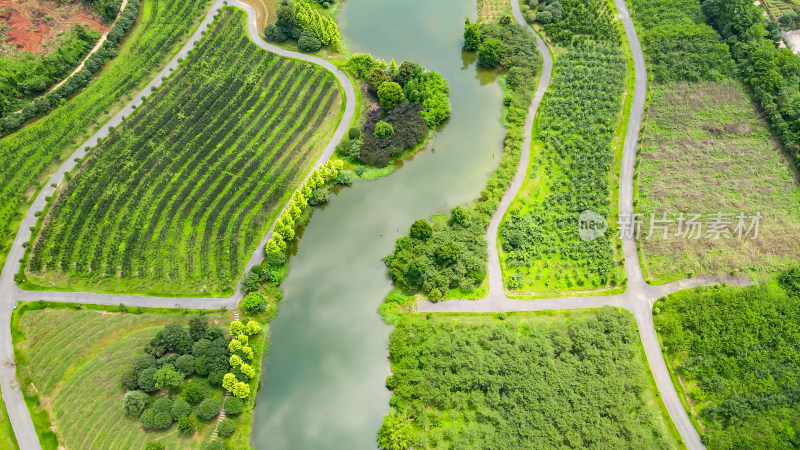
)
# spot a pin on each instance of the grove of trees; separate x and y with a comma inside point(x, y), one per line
point(299, 20)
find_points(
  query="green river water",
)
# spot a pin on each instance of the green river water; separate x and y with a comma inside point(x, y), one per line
point(324, 385)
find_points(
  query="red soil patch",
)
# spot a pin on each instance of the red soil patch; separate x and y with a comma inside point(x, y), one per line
point(34, 25)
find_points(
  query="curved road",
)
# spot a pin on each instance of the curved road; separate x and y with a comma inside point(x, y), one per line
point(639, 296)
point(10, 294)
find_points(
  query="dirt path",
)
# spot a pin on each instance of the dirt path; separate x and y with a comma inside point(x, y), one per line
point(10, 294)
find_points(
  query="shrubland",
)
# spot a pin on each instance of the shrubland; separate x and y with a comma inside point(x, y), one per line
point(521, 381)
point(735, 350)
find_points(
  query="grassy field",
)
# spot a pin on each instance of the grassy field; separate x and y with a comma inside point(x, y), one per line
point(574, 379)
point(570, 171)
point(34, 151)
point(187, 187)
point(72, 360)
point(7, 439)
point(735, 350)
point(706, 150)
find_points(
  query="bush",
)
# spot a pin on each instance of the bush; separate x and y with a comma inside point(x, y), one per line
point(226, 428)
point(318, 197)
point(180, 409)
point(251, 282)
point(308, 42)
point(185, 364)
point(155, 445)
point(134, 403)
point(383, 130)
point(208, 408)
point(354, 133)
point(195, 391)
point(214, 445)
point(274, 33)
point(254, 303)
point(130, 380)
point(376, 77)
point(489, 53)
point(147, 379)
point(159, 416)
point(233, 406)
point(186, 425)
point(421, 229)
point(390, 94)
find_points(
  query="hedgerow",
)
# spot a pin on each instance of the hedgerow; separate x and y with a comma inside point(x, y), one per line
point(196, 177)
point(28, 153)
point(577, 126)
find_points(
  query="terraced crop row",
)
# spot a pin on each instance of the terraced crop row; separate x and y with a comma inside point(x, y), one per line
point(28, 154)
point(569, 173)
point(178, 198)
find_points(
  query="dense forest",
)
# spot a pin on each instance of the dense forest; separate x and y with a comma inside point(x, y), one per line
point(519, 382)
point(451, 253)
point(737, 349)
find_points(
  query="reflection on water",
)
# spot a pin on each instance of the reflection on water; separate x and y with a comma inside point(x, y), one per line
point(324, 385)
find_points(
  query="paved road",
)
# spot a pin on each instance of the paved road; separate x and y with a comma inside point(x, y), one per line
point(10, 294)
point(639, 296)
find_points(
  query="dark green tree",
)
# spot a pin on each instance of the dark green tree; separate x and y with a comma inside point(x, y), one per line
point(472, 35)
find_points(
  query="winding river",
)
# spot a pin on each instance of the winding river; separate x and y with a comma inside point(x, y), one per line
point(324, 384)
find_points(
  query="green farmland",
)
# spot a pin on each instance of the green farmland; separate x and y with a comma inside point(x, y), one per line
point(34, 151)
point(186, 188)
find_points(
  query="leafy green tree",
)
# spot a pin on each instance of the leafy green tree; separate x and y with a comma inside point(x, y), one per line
point(167, 377)
point(252, 328)
point(354, 133)
point(159, 415)
point(155, 445)
point(195, 391)
point(254, 303)
point(390, 94)
point(308, 42)
point(241, 389)
point(396, 432)
point(448, 253)
point(185, 364)
point(236, 328)
point(197, 327)
point(147, 379)
point(421, 229)
point(226, 428)
point(235, 346)
point(460, 216)
point(214, 445)
point(376, 77)
point(407, 71)
point(180, 408)
point(228, 381)
point(186, 425)
point(208, 409)
point(130, 380)
point(383, 130)
point(233, 406)
point(489, 53)
point(134, 402)
point(235, 361)
point(248, 370)
point(435, 295)
point(472, 35)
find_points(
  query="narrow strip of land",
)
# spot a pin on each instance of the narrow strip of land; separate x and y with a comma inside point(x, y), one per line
point(10, 294)
point(638, 296)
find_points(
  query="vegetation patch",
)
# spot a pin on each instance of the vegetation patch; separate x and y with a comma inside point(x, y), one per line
point(71, 363)
point(450, 253)
point(302, 21)
point(567, 21)
point(552, 380)
point(542, 251)
point(31, 153)
point(707, 150)
point(186, 187)
point(736, 350)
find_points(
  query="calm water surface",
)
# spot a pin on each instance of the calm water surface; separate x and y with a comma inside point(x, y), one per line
point(324, 385)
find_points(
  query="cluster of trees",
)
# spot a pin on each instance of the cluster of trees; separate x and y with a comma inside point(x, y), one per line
point(108, 9)
point(564, 20)
point(577, 126)
point(772, 73)
point(237, 381)
point(28, 75)
point(303, 22)
point(186, 363)
point(452, 253)
point(412, 101)
point(512, 383)
point(680, 46)
point(738, 349)
point(790, 20)
point(45, 103)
